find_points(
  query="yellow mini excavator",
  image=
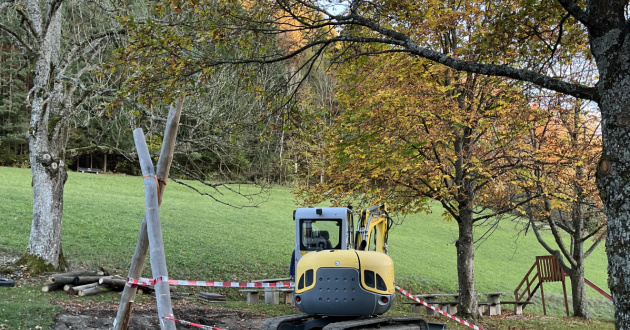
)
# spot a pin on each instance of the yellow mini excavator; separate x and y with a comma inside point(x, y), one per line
point(344, 277)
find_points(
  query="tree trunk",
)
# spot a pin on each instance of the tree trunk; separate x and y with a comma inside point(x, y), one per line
point(580, 304)
point(578, 291)
point(47, 143)
point(613, 180)
point(610, 46)
point(467, 307)
point(49, 177)
point(463, 145)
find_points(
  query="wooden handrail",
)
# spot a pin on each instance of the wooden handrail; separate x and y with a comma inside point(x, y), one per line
point(518, 296)
point(597, 288)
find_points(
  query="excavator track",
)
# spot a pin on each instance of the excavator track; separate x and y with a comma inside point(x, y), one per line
point(276, 322)
point(390, 323)
point(288, 322)
point(308, 322)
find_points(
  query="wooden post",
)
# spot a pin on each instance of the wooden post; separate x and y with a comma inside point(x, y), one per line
point(564, 288)
point(541, 281)
point(154, 232)
point(137, 261)
point(128, 296)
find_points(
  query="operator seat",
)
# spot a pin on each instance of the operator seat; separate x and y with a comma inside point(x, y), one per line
point(326, 236)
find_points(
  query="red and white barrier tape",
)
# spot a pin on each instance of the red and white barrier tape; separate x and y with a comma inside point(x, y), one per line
point(147, 281)
point(438, 310)
point(196, 325)
point(132, 282)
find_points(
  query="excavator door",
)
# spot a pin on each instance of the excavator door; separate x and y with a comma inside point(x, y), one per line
point(325, 228)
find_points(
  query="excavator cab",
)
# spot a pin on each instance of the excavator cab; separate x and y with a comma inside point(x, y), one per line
point(319, 229)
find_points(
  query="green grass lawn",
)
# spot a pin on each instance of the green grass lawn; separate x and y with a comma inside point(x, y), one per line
point(206, 240)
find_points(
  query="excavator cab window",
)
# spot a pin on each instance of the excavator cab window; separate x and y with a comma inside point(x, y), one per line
point(320, 234)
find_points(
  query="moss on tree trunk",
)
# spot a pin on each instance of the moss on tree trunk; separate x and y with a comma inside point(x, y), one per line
point(37, 265)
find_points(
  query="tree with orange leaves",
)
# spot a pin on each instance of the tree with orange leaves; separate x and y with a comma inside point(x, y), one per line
point(411, 132)
point(565, 148)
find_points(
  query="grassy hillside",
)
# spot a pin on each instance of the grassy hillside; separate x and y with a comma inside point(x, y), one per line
point(424, 251)
point(208, 240)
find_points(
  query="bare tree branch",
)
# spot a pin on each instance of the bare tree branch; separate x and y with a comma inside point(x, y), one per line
point(32, 18)
point(88, 46)
point(592, 248)
point(51, 10)
point(593, 233)
point(403, 40)
point(21, 42)
point(574, 10)
point(404, 43)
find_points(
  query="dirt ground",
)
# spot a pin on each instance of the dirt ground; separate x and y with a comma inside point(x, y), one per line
point(98, 315)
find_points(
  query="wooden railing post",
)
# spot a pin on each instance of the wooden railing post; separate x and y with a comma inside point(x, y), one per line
point(541, 279)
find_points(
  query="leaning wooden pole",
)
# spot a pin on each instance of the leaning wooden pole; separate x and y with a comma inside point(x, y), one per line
point(127, 298)
point(154, 232)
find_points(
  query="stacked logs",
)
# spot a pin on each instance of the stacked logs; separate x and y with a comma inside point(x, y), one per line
point(88, 282)
point(91, 282)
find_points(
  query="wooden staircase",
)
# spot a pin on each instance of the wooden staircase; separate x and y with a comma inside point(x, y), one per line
point(547, 270)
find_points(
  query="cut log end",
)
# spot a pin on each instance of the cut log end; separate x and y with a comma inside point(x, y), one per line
point(52, 287)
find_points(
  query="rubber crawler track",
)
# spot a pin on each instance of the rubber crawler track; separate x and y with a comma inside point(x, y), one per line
point(377, 322)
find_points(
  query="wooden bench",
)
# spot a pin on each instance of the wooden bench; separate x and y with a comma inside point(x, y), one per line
point(253, 295)
point(89, 170)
